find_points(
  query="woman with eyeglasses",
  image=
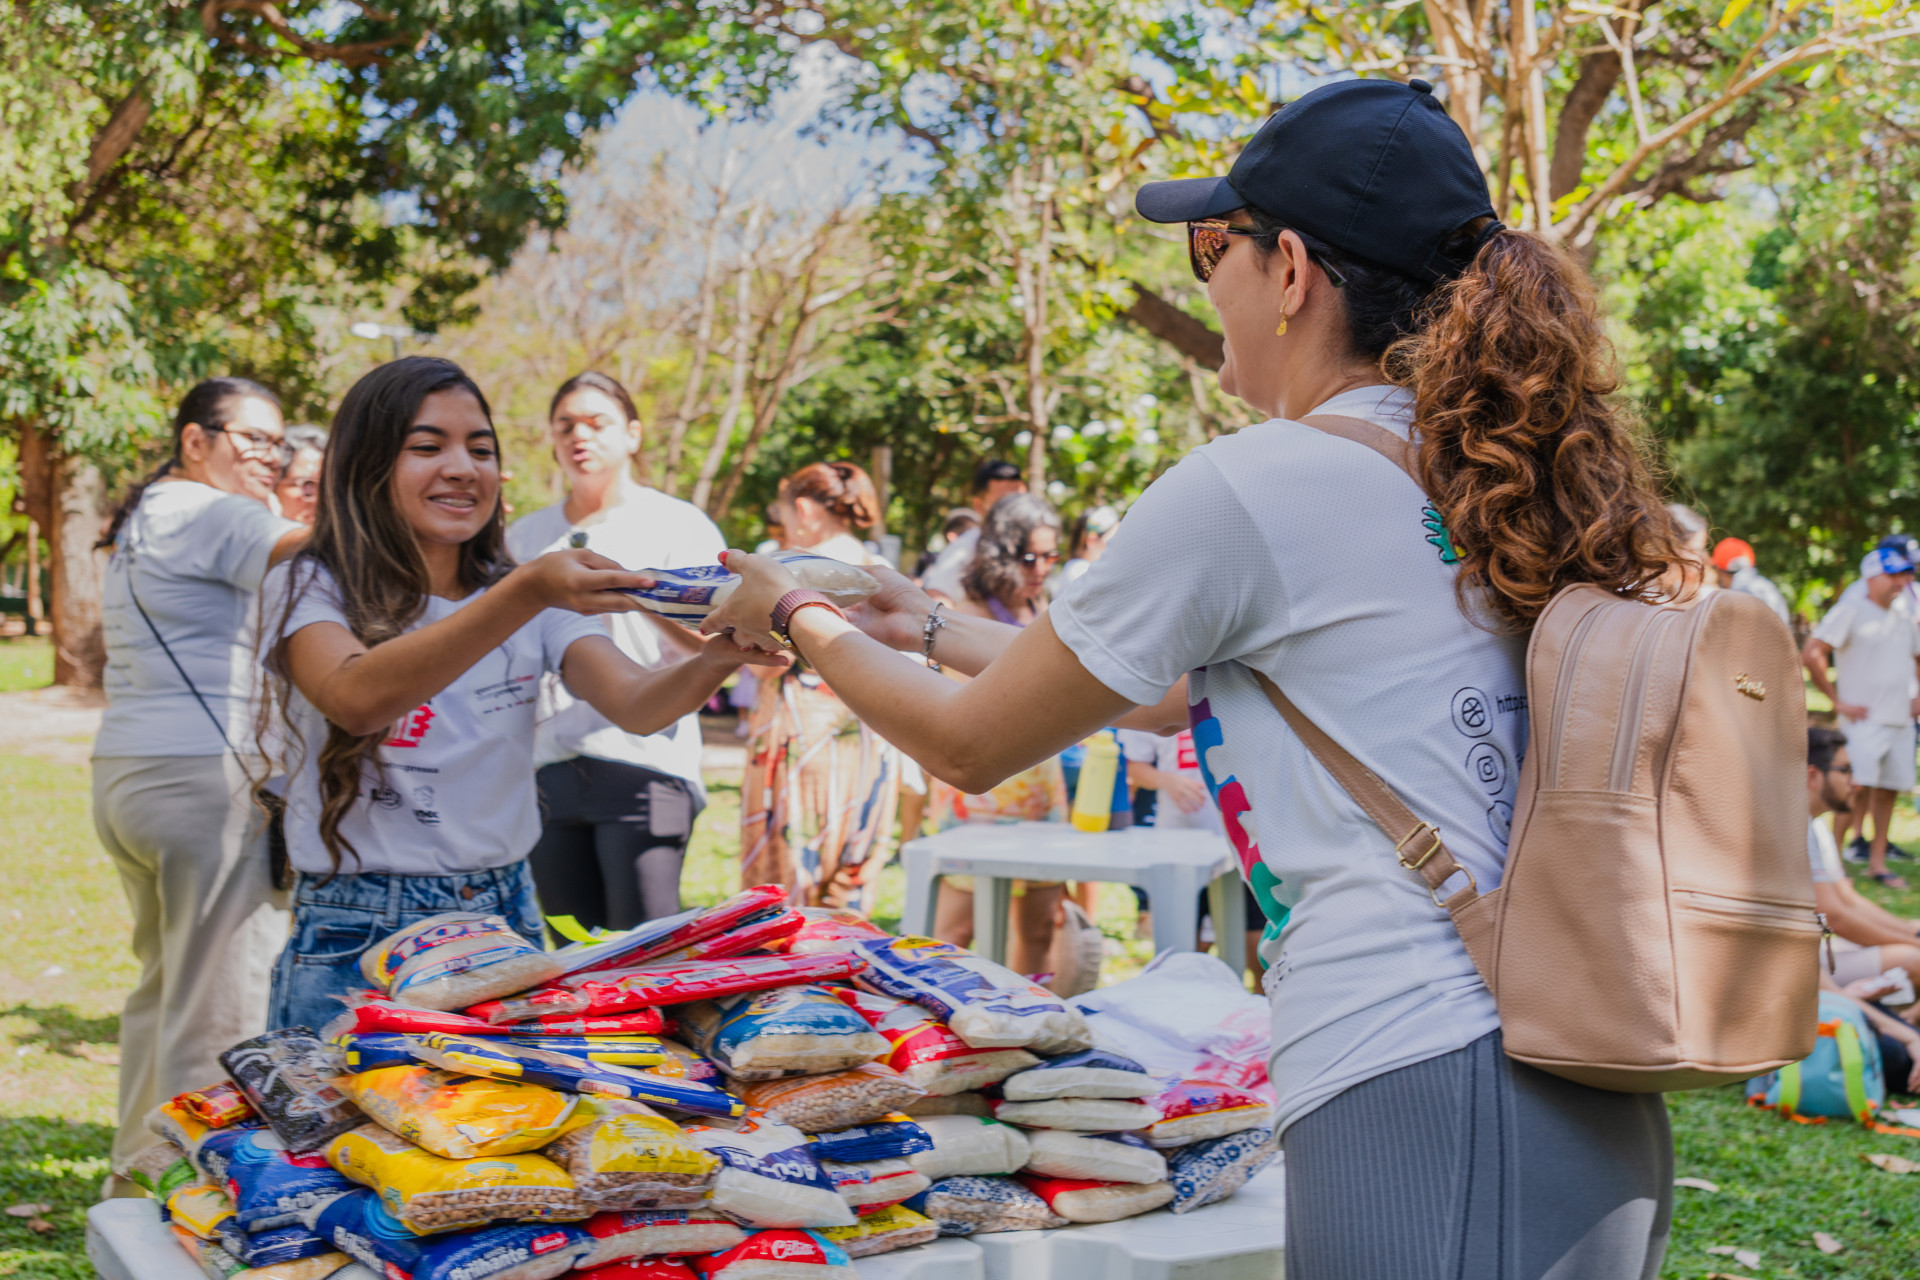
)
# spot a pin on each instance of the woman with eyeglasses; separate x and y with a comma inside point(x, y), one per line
point(171, 803)
point(821, 789)
point(298, 489)
point(1442, 453)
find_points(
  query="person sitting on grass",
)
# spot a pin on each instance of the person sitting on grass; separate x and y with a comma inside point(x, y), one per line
point(1869, 940)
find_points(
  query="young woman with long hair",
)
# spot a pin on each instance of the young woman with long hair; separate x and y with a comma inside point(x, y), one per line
point(405, 652)
point(617, 808)
point(821, 789)
point(170, 800)
point(1358, 272)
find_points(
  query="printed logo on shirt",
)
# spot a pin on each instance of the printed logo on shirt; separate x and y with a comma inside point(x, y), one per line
point(1437, 534)
point(413, 727)
point(424, 813)
point(1184, 757)
point(1235, 809)
point(505, 695)
point(385, 797)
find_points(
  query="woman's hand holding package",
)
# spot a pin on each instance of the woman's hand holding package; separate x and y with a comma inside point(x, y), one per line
point(747, 612)
point(582, 581)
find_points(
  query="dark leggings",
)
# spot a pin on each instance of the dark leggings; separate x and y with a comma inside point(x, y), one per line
point(612, 841)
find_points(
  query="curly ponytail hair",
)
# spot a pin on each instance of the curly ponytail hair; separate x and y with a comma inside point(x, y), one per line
point(1540, 476)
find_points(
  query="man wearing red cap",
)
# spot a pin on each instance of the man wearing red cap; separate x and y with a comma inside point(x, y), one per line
point(1733, 565)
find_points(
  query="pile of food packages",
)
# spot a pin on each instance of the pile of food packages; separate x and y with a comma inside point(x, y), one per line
point(747, 1091)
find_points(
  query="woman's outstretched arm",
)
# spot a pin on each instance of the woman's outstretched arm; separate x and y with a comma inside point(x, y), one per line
point(642, 700)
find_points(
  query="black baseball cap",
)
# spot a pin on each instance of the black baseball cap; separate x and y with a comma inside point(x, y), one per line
point(993, 469)
point(1375, 168)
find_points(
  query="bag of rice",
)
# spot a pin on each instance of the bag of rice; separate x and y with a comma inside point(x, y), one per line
point(967, 1206)
point(787, 1031)
point(1079, 1200)
point(215, 1106)
point(631, 1161)
point(460, 1116)
point(1195, 1110)
point(964, 1145)
point(1203, 1173)
point(894, 1227)
point(953, 1104)
point(159, 1170)
point(771, 1179)
point(455, 959)
point(641, 1269)
point(779, 1255)
point(829, 931)
point(271, 1186)
point(1088, 1115)
point(371, 1013)
point(1103, 1157)
point(429, 1193)
point(362, 1229)
point(873, 1182)
point(199, 1210)
point(820, 1104)
point(270, 1248)
point(651, 1232)
point(656, 938)
point(1093, 1073)
point(618, 990)
point(987, 1005)
point(289, 1076)
point(502, 1059)
point(925, 1051)
point(887, 1138)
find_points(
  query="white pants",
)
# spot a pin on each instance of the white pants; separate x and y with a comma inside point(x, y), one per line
point(207, 924)
point(1882, 754)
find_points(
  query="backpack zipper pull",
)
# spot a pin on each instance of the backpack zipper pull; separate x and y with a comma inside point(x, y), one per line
point(1826, 940)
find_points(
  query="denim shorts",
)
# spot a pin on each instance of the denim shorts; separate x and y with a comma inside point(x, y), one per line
point(335, 921)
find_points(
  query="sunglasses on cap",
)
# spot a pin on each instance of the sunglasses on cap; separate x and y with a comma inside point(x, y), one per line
point(1207, 243)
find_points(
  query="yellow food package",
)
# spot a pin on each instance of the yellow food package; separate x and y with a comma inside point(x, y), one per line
point(461, 1117)
point(635, 1160)
point(430, 1193)
point(318, 1267)
point(199, 1209)
point(895, 1227)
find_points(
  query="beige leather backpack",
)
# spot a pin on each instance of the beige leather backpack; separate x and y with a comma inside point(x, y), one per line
point(1655, 929)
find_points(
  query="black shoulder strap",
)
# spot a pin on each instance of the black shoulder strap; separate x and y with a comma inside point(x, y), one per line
point(167, 649)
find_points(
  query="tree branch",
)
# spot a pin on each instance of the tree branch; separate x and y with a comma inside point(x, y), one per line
point(1190, 337)
point(363, 53)
point(1598, 74)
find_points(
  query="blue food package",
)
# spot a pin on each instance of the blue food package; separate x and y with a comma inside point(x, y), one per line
point(374, 1050)
point(887, 1139)
point(688, 595)
point(359, 1227)
point(650, 1052)
point(212, 1152)
point(1092, 1073)
point(499, 1060)
point(270, 1186)
point(1212, 1170)
point(770, 1177)
point(264, 1248)
point(987, 1005)
point(798, 1030)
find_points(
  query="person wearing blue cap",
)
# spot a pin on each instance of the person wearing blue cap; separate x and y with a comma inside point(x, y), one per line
point(1875, 635)
point(1397, 339)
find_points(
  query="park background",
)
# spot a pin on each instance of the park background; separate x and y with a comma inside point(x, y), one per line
point(899, 234)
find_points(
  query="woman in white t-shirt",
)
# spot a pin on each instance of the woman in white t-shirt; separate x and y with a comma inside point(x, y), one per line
point(405, 655)
point(617, 809)
point(1358, 271)
point(170, 800)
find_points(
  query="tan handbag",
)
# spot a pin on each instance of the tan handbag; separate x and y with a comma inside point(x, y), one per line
point(1655, 929)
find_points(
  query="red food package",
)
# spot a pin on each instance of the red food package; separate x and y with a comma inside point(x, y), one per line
point(657, 938)
point(372, 1012)
point(636, 1022)
point(640, 1269)
point(595, 994)
point(783, 1253)
point(216, 1106)
point(651, 1232)
point(756, 935)
point(1086, 1200)
point(924, 1050)
point(829, 930)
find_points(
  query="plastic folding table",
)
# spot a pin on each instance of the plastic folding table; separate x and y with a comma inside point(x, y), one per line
point(1172, 865)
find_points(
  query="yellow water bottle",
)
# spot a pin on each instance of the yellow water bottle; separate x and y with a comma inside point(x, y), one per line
point(1093, 797)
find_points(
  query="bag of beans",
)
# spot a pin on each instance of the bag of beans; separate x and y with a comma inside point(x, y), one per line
point(798, 1030)
point(429, 1193)
point(461, 1116)
point(1103, 1157)
point(1080, 1200)
point(1205, 1172)
point(635, 1161)
point(894, 1227)
point(779, 1255)
point(646, 1233)
point(967, 1206)
point(456, 959)
point(923, 1049)
point(966, 1145)
point(159, 1170)
point(953, 1104)
point(1087, 1115)
point(987, 1005)
point(770, 1178)
point(820, 1104)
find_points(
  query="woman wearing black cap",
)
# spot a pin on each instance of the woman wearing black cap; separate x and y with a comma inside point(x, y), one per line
point(1364, 285)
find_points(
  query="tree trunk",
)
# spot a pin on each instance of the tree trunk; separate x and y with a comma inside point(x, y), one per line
point(66, 497)
point(1190, 337)
point(737, 380)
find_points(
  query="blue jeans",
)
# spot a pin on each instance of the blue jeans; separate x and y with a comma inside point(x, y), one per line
point(336, 921)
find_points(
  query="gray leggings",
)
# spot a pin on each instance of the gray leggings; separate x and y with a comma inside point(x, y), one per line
point(1472, 1166)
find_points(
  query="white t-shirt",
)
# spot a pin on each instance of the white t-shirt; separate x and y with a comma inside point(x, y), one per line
point(1172, 754)
point(453, 791)
point(1874, 649)
point(948, 567)
point(1318, 562)
point(650, 530)
point(194, 555)
point(1824, 854)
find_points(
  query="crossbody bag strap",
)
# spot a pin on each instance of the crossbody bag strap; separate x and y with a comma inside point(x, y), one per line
point(1371, 434)
point(165, 648)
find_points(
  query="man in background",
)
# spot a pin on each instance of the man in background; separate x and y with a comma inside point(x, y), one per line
point(993, 480)
point(1733, 565)
point(1876, 638)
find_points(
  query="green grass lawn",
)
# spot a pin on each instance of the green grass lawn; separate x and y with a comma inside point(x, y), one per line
point(65, 968)
point(26, 662)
